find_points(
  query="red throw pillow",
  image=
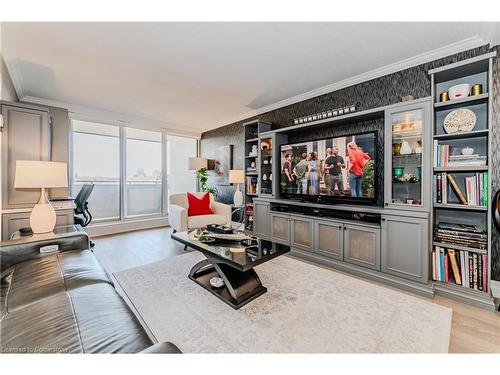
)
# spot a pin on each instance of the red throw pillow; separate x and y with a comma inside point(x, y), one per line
point(199, 206)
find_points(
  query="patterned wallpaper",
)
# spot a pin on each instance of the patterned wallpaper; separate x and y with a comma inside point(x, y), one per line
point(371, 94)
point(495, 162)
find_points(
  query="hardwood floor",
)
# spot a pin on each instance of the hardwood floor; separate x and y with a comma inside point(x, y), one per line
point(473, 330)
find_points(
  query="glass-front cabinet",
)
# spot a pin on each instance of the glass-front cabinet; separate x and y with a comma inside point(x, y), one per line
point(407, 155)
point(266, 166)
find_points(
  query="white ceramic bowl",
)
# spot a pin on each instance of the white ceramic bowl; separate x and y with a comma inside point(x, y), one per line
point(459, 91)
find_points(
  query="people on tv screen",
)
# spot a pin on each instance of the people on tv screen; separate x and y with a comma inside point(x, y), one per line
point(340, 166)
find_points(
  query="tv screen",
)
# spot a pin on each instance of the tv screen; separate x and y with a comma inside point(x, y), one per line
point(334, 168)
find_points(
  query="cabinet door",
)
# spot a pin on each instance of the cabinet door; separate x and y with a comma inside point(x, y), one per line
point(405, 249)
point(329, 239)
point(26, 136)
point(280, 228)
point(408, 155)
point(362, 245)
point(302, 232)
point(261, 219)
point(12, 222)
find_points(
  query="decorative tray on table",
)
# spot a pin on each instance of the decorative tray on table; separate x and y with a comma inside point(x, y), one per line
point(233, 237)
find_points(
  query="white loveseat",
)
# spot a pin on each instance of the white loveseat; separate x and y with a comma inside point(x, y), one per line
point(180, 221)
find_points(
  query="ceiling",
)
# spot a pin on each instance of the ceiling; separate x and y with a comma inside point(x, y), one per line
point(198, 76)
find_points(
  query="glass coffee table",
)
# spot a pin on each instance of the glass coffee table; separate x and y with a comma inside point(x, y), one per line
point(233, 262)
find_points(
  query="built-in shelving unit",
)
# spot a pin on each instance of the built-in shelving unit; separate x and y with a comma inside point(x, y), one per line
point(252, 131)
point(461, 265)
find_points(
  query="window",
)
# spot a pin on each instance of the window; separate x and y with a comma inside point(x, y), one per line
point(127, 167)
point(143, 182)
point(96, 159)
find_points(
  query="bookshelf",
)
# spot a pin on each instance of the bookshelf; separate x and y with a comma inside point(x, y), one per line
point(252, 130)
point(461, 213)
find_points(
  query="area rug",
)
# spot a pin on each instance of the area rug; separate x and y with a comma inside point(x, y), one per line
point(307, 309)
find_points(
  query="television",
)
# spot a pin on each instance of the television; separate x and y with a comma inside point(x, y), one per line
point(331, 170)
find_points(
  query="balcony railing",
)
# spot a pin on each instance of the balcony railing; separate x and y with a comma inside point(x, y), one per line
point(142, 197)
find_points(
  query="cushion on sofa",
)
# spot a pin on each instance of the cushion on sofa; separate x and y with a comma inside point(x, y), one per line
point(202, 221)
point(199, 205)
point(33, 280)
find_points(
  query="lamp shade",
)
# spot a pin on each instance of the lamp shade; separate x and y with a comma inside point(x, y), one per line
point(236, 176)
point(40, 174)
point(197, 163)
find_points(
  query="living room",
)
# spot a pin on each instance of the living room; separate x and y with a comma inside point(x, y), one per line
point(250, 188)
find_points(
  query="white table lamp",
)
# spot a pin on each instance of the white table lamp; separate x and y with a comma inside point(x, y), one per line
point(237, 176)
point(34, 174)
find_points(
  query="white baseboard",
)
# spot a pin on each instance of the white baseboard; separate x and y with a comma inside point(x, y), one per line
point(104, 229)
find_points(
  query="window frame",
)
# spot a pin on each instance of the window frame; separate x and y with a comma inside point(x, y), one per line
point(123, 173)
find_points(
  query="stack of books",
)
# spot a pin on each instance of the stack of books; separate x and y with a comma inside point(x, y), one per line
point(442, 158)
point(465, 268)
point(466, 235)
point(476, 189)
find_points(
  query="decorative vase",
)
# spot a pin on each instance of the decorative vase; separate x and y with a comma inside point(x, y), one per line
point(396, 148)
point(477, 89)
point(398, 172)
point(405, 148)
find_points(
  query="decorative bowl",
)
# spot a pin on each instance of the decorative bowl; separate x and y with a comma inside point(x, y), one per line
point(216, 282)
point(459, 91)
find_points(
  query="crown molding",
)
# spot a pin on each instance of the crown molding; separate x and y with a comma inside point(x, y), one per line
point(84, 113)
point(15, 77)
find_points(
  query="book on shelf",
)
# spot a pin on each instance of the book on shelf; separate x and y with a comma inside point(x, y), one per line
point(456, 188)
point(443, 158)
point(476, 189)
point(251, 185)
point(471, 228)
point(454, 266)
point(463, 268)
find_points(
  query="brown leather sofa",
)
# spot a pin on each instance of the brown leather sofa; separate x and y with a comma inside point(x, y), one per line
point(65, 303)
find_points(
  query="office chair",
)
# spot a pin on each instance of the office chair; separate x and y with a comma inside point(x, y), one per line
point(81, 202)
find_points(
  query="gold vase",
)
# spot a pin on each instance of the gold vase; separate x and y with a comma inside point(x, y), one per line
point(477, 89)
point(444, 97)
point(396, 147)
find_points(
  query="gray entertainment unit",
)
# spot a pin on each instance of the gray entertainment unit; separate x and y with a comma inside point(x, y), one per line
point(391, 242)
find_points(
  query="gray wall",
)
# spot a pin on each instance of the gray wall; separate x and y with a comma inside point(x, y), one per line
point(227, 135)
point(371, 94)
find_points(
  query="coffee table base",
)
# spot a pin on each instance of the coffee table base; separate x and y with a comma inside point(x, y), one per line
point(239, 287)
